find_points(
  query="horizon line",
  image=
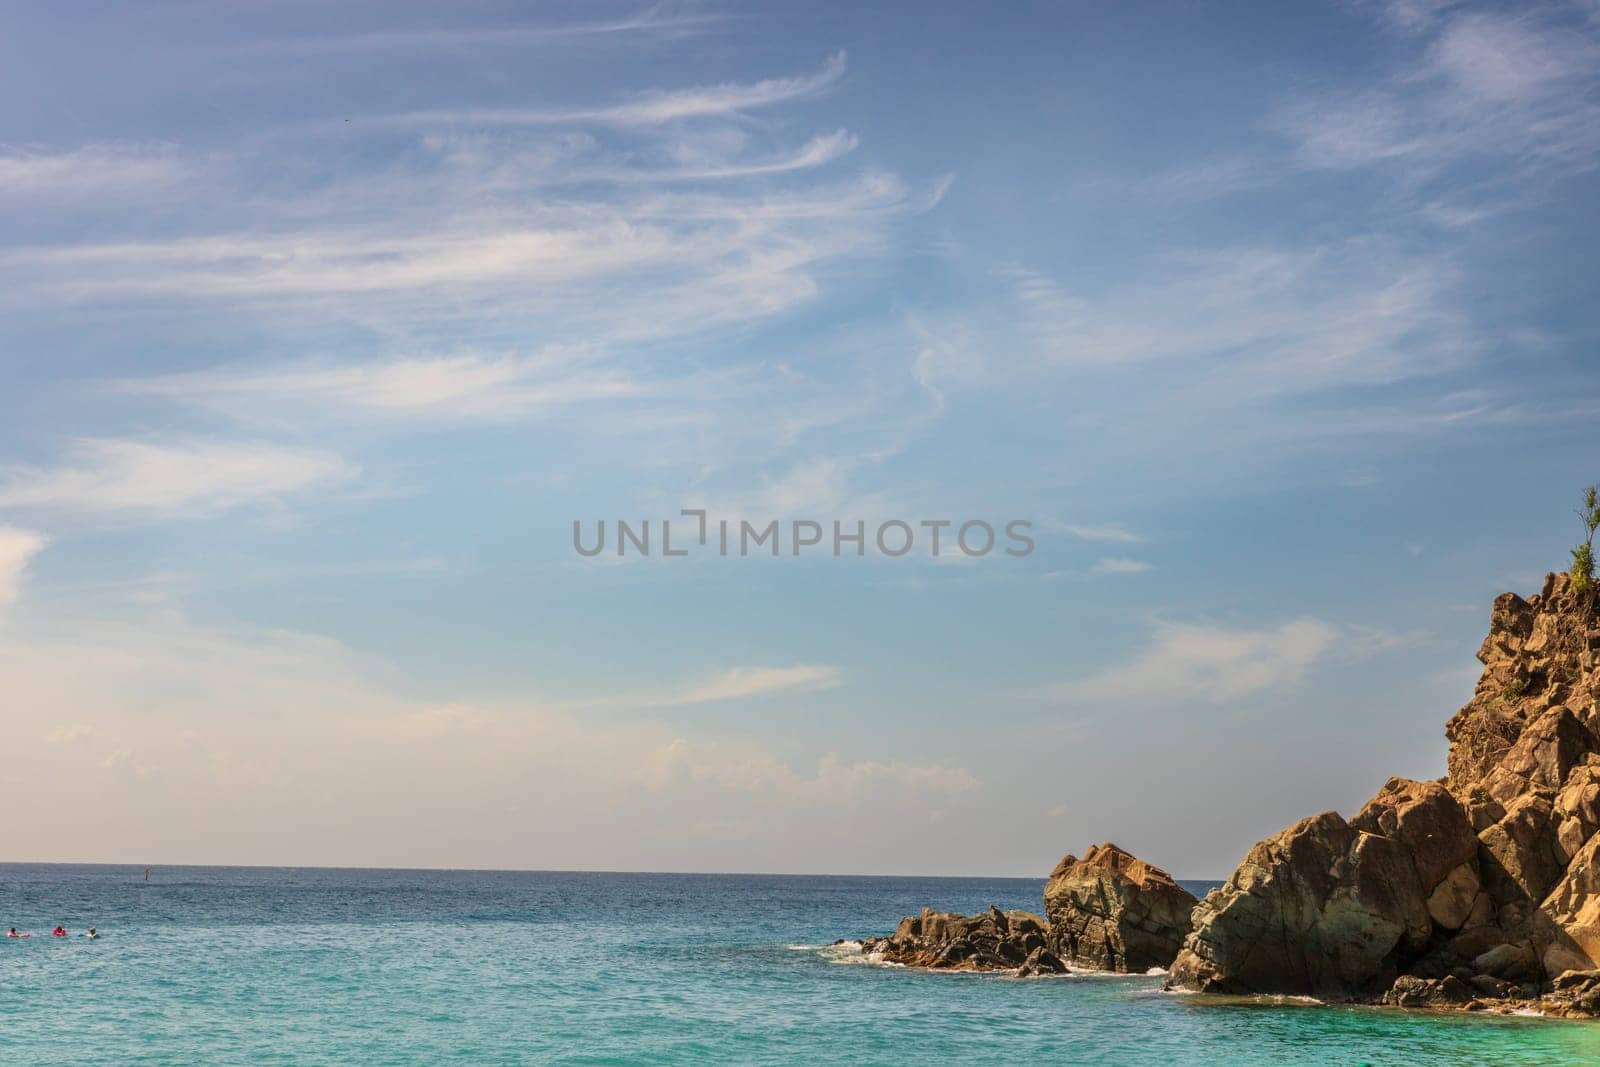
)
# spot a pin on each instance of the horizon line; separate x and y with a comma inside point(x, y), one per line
point(528, 870)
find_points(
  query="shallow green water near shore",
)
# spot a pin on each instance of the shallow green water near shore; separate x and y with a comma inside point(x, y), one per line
point(253, 966)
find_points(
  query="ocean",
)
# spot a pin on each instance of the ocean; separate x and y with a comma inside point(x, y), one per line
point(231, 965)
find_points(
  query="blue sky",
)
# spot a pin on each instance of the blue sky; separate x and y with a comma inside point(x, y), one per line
point(322, 325)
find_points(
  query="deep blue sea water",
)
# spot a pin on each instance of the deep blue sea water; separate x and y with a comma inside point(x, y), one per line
point(299, 966)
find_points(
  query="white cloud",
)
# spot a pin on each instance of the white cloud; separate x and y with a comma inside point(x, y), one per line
point(1514, 94)
point(101, 168)
point(1107, 532)
point(466, 386)
point(601, 268)
point(742, 682)
point(17, 547)
point(1480, 114)
point(1185, 662)
point(1501, 59)
point(1118, 565)
point(817, 152)
point(646, 109)
point(1266, 320)
point(351, 262)
point(651, 20)
point(1409, 15)
point(107, 475)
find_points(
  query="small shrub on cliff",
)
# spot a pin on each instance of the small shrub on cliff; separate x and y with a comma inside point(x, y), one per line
point(1583, 555)
point(1514, 688)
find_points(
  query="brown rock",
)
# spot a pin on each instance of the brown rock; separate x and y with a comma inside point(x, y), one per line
point(1041, 961)
point(1577, 810)
point(1575, 994)
point(1520, 856)
point(1411, 991)
point(1539, 656)
point(1510, 961)
point(1574, 907)
point(1322, 908)
point(1450, 905)
point(1428, 822)
point(1114, 912)
point(992, 940)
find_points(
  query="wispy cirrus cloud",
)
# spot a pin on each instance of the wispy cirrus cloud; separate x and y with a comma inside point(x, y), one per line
point(112, 475)
point(1482, 112)
point(740, 683)
point(99, 168)
point(657, 20)
point(817, 152)
point(1266, 320)
point(645, 109)
point(466, 386)
point(652, 266)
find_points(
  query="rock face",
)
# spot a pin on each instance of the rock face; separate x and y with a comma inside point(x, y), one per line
point(994, 940)
point(1482, 886)
point(1113, 912)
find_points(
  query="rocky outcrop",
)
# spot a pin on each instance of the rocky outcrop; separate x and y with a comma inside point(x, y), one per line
point(1109, 911)
point(1114, 912)
point(1481, 888)
point(994, 940)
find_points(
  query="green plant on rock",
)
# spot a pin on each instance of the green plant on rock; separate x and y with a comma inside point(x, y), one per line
point(1583, 555)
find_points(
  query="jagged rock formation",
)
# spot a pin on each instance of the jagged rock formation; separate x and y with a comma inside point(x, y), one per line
point(1108, 911)
point(1113, 912)
point(989, 941)
point(1483, 887)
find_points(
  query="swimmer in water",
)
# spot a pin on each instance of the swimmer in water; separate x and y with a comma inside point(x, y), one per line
point(91, 934)
point(59, 931)
point(12, 932)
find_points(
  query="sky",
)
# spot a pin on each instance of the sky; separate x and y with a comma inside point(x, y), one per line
point(321, 325)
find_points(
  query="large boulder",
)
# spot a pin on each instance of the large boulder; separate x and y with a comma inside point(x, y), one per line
point(1115, 912)
point(1322, 909)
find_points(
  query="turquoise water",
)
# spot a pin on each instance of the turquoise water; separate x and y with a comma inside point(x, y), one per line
point(278, 966)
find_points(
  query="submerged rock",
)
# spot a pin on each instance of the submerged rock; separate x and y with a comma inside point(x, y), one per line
point(1114, 912)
